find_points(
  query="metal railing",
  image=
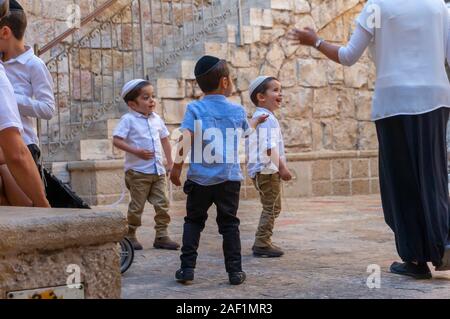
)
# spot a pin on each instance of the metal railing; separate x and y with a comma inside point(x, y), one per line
point(141, 38)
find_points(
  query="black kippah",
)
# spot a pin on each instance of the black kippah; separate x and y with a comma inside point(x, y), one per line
point(14, 5)
point(205, 64)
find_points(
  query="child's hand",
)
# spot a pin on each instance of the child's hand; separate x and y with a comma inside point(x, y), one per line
point(285, 174)
point(144, 154)
point(169, 167)
point(261, 119)
point(175, 174)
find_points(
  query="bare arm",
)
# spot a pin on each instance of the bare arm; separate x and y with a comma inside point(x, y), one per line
point(22, 167)
point(141, 153)
point(347, 55)
point(14, 194)
point(280, 163)
point(183, 148)
point(165, 142)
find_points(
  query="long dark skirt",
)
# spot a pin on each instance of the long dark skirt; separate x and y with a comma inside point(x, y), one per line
point(414, 183)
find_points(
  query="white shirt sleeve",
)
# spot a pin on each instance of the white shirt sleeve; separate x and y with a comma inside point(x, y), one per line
point(122, 129)
point(164, 132)
point(358, 43)
point(9, 114)
point(43, 104)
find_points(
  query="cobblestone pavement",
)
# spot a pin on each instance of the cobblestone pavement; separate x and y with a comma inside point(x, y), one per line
point(328, 242)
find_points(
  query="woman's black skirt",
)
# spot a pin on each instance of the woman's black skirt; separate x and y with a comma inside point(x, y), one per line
point(414, 183)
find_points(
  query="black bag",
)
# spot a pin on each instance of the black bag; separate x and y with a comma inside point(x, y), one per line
point(60, 195)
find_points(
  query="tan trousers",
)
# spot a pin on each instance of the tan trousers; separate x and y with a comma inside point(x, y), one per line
point(269, 188)
point(151, 188)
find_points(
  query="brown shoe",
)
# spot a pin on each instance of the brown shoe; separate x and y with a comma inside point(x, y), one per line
point(136, 245)
point(165, 243)
point(268, 251)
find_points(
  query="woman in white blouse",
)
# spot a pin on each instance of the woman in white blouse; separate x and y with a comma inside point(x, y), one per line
point(409, 42)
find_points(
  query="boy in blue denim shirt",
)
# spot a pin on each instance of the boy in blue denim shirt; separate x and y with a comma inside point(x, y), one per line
point(211, 129)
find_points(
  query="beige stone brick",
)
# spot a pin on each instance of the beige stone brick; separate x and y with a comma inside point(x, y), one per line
point(321, 170)
point(219, 50)
point(360, 168)
point(357, 76)
point(174, 111)
point(231, 33)
point(240, 57)
point(312, 73)
point(367, 136)
point(363, 104)
point(345, 134)
point(341, 188)
point(301, 6)
point(275, 56)
point(282, 17)
point(301, 184)
point(187, 69)
point(360, 187)
point(340, 169)
point(375, 186)
point(170, 88)
point(281, 4)
point(374, 167)
point(322, 189)
point(325, 11)
point(325, 103)
point(297, 133)
point(288, 74)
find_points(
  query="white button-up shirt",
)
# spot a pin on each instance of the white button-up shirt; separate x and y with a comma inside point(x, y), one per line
point(143, 132)
point(9, 113)
point(33, 88)
point(267, 136)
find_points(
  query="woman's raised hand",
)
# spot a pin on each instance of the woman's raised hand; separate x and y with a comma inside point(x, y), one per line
point(307, 36)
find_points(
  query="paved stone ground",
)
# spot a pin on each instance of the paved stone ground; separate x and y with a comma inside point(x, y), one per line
point(329, 243)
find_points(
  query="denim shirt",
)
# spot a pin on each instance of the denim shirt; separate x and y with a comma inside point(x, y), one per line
point(217, 125)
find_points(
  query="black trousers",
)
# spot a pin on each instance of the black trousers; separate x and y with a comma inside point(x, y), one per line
point(35, 153)
point(200, 198)
point(414, 183)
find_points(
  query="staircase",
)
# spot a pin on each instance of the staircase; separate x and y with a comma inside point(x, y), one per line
point(158, 40)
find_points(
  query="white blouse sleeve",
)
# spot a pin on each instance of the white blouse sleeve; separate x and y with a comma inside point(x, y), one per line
point(358, 43)
point(448, 48)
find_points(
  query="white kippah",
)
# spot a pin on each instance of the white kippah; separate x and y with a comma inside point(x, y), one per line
point(257, 82)
point(129, 86)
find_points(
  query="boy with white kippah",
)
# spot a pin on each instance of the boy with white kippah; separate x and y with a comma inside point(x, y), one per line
point(267, 161)
point(142, 134)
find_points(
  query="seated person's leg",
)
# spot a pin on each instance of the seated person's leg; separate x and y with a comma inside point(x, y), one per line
point(10, 193)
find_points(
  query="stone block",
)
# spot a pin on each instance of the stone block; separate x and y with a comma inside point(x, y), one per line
point(360, 168)
point(187, 69)
point(288, 74)
point(322, 189)
point(374, 167)
point(363, 104)
point(301, 6)
point(281, 4)
point(360, 187)
point(240, 58)
point(356, 76)
point(216, 49)
point(174, 111)
point(340, 169)
point(321, 170)
point(325, 103)
point(297, 133)
point(170, 88)
point(345, 135)
point(375, 186)
point(367, 136)
point(326, 11)
point(34, 240)
point(341, 188)
point(300, 185)
point(312, 73)
point(275, 56)
point(96, 149)
point(232, 33)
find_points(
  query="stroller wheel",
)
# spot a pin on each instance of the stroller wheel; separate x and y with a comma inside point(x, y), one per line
point(126, 255)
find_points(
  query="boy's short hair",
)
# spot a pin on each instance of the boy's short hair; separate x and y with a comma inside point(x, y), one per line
point(209, 71)
point(4, 8)
point(16, 20)
point(135, 92)
point(262, 88)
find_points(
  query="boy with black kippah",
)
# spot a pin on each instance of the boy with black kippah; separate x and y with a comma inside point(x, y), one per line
point(214, 175)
